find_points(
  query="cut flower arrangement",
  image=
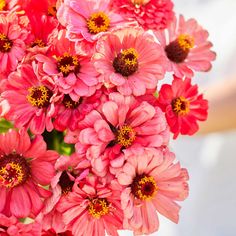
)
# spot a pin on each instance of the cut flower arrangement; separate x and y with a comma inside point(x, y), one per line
point(85, 125)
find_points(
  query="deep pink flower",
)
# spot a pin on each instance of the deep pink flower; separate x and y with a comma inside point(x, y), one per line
point(88, 19)
point(12, 42)
point(186, 47)
point(10, 226)
point(150, 14)
point(29, 97)
point(183, 106)
point(93, 208)
point(153, 182)
point(129, 60)
point(122, 123)
point(24, 166)
point(73, 74)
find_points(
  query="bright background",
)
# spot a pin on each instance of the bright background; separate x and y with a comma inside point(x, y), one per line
point(211, 159)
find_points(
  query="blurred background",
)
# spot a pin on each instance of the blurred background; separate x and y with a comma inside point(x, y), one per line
point(210, 156)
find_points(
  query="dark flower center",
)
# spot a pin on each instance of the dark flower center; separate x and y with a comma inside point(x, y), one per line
point(180, 106)
point(98, 207)
point(66, 183)
point(144, 187)
point(98, 22)
point(52, 10)
point(67, 64)
point(126, 62)
point(177, 51)
point(14, 170)
point(69, 103)
point(5, 43)
point(39, 43)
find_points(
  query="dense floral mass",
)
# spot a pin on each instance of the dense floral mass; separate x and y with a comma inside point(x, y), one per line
point(85, 126)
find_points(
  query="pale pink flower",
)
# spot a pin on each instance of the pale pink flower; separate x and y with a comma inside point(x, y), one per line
point(12, 42)
point(122, 123)
point(129, 60)
point(93, 208)
point(88, 19)
point(73, 74)
point(150, 14)
point(186, 47)
point(25, 166)
point(10, 226)
point(153, 182)
point(30, 99)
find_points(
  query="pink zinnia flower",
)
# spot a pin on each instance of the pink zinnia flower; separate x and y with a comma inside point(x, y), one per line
point(24, 166)
point(88, 19)
point(186, 47)
point(73, 74)
point(122, 123)
point(183, 106)
point(12, 42)
point(30, 99)
point(10, 226)
point(93, 208)
point(130, 60)
point(153, 182)
point(150, 14)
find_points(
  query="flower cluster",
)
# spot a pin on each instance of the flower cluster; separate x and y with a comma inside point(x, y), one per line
point(84, 148)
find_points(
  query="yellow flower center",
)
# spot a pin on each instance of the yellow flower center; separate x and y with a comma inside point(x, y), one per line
point(14, 170)
point(69, 103)
point(144, 187)
point(98, 207)
point(38, 42)
point(2, 5)
point(126, 62)
point(39, 96)
point(98, 22)
point(67, 64)
point(126, 136)
point(180, 106)
point(185, 41)
point(5, 43)
point(138, 3)
point(52, 10)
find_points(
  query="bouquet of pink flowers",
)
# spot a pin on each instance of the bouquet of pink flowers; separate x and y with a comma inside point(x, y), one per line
point(85, 126)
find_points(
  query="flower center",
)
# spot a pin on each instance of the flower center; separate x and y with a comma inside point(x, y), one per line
point(38, 42)
point(125, 136)
point(98, 22)
point(126, 62)
point(69, 103)
point(67, 64)
point(66, 183)
point(98, 207)
point(178, 50)
point(39, 96)
point(138, 3)
point(144, 187)
point(52, 10)
point(14, 170)
point(180, 106)
point(2, 5)
point(5, 43)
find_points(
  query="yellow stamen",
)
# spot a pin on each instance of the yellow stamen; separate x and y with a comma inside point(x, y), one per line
point(180, 106)
point(98, 207)
point(130, 56)
point(2, 4)
point(98, 22)
point(52, 10)
point(126, 136)
point(185, 41)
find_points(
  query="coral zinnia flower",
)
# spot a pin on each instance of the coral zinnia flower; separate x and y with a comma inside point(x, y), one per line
point(186, 47)
point(183, 106)
point(152, 182)
point(24, 166)
point(73, 74)
point(93, 208)
point(150, 14)
point(88, 19)
point(130, 60)
point(12, 42)
point(29, 99)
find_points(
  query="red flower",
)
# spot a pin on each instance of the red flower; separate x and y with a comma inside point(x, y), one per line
point(183, 106)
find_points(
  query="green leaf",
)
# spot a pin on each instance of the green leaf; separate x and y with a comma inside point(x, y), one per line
point(5, 125)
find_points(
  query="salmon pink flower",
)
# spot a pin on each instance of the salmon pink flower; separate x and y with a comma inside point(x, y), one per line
point(152, 182)
point(186, 47)
point(93, 208)
point(183, 106)
point(129, 60)
point(12, 42)
point(88, 19)
point(30, 99)
point(150, 14)
point(25, 166)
